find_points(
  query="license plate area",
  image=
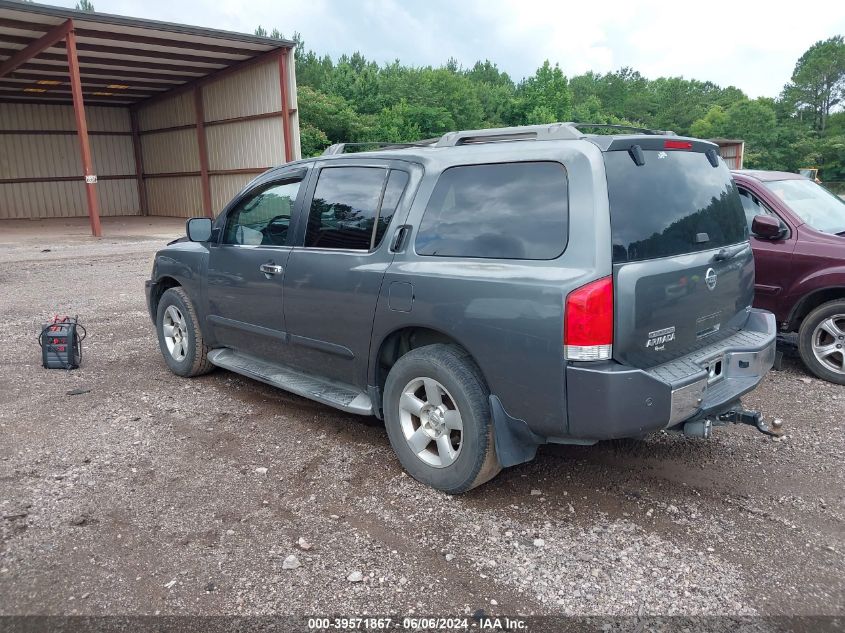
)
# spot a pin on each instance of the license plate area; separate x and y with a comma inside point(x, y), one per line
point(715, 368)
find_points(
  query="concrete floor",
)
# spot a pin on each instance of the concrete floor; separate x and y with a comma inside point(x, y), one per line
point(78, 230)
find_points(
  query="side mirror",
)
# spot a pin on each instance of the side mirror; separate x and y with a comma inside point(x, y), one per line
point(198, 229)
point(767, 228)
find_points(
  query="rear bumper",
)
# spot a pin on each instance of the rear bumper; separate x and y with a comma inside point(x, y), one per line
point(610, 400)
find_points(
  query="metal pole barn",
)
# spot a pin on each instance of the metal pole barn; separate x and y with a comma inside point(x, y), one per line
point(52, 37)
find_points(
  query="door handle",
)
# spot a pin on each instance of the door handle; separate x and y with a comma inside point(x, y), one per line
point(399, 238)
point(270, 269)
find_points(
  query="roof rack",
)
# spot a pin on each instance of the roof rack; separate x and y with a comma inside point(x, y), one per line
point(546, 132)
point(340, 148)
point(613, 126)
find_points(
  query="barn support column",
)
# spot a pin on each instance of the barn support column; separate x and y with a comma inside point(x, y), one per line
point(283, 81)
point(199, 111)
point(82, 133)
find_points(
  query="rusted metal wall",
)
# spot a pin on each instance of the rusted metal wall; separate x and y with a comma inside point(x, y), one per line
point(166, 150)
point(251, 91)
point(236, 143)
point(179, 197)
point(39, 142)
point(226, 187)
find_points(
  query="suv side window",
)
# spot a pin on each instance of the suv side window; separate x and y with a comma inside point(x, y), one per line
point(752, 206)
point(352, 207)
point(263, 219)
point(497, 211)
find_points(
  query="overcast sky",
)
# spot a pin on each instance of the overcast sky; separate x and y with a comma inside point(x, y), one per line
point(750, 44)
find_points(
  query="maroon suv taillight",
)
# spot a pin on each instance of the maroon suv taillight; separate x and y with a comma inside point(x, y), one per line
point(588, 322)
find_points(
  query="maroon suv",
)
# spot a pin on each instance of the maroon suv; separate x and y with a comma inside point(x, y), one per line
point(798, 236)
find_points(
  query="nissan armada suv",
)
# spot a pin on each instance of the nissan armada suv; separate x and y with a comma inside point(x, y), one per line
point(482, 293)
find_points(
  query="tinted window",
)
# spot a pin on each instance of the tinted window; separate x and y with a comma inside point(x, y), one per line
point(263, 218)
point(507, 211)
point(676, 203)
point(396, 183)
point(343, 211)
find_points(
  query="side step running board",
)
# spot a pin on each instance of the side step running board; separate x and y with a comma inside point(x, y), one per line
point(332, 393)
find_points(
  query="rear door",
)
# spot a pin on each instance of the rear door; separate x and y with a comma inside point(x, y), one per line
point(683, 268)
point(335, 271)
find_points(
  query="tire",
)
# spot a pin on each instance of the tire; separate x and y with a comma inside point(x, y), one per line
point(448, 373)
point(821, 332)
point(185, 352)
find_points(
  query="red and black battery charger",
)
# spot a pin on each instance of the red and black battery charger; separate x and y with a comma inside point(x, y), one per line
point(61, 343)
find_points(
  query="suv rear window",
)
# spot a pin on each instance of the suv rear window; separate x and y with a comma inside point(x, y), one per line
point(676, 203)
point(498, 211)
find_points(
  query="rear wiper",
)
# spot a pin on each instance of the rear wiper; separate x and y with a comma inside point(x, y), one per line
point(728, 253)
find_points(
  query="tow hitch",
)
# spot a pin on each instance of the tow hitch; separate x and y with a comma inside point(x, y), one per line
point(753, 418)
point(702, 428)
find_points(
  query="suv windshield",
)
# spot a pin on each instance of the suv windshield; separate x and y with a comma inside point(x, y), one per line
point(675, 203)
point(815, 205)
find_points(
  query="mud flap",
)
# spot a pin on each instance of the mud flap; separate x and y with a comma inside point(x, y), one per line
point(515, 442)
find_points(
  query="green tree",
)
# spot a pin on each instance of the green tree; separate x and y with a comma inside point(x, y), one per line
point(85, 5)
point(544, 97)
point(711, 125)
point(818, 81)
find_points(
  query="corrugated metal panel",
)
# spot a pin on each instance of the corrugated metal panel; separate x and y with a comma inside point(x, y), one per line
point(33, 116)
point(256, 143)
point(252, 91)
point(224, 188)
point(46, 156)
point(177, 110)
point(174, 197)
point(294, 106)
point(66, 199)
point(169, 152)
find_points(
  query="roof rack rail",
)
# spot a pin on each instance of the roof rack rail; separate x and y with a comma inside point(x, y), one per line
point(614, 126)
point(548, 132)
point(340, 148)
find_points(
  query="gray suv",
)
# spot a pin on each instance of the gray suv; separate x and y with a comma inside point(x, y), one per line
point(483, 293)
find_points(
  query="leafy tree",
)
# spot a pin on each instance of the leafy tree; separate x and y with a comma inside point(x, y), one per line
point(543, 98)
point(85, 5)
point(818, 81)
point(355, 99)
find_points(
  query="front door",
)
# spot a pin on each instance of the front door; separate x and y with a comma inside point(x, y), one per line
point(246, 269)
point(772, 258)
point(334, 274)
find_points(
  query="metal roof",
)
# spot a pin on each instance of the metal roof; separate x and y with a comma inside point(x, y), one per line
point(122, 60)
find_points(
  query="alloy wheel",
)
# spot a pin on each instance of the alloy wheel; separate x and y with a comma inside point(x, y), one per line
point(175, 332)
point(829, 343)
point(431, 422)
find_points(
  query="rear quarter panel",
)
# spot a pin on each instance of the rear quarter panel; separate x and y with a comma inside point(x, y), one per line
point(507, 313)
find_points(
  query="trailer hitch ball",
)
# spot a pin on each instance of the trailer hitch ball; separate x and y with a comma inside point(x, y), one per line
point(698, 428)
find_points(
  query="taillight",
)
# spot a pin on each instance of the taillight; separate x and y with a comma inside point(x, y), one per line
point(588, 322)
point(677, 145)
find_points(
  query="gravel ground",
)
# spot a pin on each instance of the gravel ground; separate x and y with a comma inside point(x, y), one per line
point(154, 494)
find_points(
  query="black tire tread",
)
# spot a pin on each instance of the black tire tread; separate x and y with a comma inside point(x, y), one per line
point(201, 365)
point(457, 362)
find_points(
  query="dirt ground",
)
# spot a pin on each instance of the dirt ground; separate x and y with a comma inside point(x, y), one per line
point(151, 494)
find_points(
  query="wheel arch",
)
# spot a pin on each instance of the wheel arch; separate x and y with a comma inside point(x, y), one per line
point(810, 302)
point(402, 340)
point(163, 284)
